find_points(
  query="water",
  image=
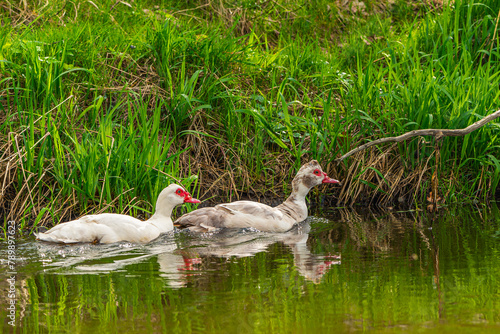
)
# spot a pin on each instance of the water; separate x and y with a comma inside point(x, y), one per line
point(348, 272)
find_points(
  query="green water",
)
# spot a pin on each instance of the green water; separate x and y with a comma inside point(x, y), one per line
point(348, 272)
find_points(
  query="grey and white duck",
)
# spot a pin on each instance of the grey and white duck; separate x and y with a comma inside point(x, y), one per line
point(244, 214)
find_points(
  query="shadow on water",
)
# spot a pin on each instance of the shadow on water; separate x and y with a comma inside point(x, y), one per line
point(348, 271)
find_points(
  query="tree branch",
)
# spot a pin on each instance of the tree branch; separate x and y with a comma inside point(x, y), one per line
point(437, 133)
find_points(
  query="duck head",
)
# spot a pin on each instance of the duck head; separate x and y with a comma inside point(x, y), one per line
point(309, 176)
point(172, 196)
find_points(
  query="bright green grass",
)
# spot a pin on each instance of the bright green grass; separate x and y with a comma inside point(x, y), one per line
point(103, 104)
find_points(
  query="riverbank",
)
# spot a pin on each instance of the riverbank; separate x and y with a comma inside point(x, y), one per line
point(105, 104)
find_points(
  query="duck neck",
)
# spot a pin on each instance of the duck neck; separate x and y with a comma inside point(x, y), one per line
point(162, 218)
point(295, 205)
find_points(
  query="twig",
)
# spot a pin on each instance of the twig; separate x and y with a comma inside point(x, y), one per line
point(191, 9)
point(495, 31)
point(166, 174)
point(437, 133)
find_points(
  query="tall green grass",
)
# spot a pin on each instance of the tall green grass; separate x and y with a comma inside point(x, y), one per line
point(104, 104)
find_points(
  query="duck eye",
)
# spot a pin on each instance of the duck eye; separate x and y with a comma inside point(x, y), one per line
point(317, 172)
point(179, 192)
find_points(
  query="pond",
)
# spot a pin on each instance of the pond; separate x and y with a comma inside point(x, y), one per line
point(339, 271)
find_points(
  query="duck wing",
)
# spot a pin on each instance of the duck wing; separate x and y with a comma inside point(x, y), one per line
point(240, 214)
point(102, 228)
point(254, 209)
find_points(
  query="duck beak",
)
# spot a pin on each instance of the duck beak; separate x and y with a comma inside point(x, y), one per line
point(189, 199)
point(329, 180)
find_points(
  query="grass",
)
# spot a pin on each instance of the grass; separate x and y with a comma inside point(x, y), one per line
point(105, 103)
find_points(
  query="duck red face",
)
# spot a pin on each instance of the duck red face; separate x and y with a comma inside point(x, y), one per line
point(326, 179)
point(187, 196)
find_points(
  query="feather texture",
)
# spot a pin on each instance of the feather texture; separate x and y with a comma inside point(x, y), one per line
point(111, 227)
point(243, 214)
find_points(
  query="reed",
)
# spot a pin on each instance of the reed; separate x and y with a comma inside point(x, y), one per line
point(101, 115)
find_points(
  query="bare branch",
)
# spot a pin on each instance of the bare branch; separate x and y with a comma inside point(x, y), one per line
point(437, 133)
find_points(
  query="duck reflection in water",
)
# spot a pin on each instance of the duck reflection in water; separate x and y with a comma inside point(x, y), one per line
point(228, 243)
point(178, 265)
point(125, 257)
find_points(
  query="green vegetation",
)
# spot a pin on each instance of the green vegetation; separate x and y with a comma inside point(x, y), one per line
point(103, 103)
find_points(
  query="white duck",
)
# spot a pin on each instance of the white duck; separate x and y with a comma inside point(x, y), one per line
point(107, 228)
point(243, 214)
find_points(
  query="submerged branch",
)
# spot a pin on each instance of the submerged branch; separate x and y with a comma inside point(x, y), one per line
point(437, 133)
